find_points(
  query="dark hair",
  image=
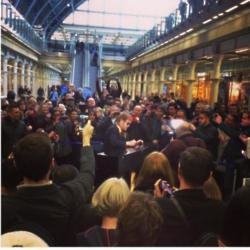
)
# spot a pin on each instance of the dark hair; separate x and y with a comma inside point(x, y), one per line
point(11, 95)
point(235, 229)
point(64, 173)
point(172, 105)
point(20, 102)
point(195, 165)
point(139, 221)
point(33, 156)
point(12, 106)
point(206, 113)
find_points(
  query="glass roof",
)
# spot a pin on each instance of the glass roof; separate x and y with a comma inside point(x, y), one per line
point(120, 22)
point(134, 14)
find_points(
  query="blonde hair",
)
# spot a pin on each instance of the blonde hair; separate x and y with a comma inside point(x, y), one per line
point(110, 196)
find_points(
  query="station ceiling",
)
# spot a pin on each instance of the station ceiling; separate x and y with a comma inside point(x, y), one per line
point(46, 14)
point(119, 24)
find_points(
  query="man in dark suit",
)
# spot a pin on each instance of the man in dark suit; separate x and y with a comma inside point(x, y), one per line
point(137, 129)
point(13, 129)
point(208, 133)
point(115, 142)
point(190, 215)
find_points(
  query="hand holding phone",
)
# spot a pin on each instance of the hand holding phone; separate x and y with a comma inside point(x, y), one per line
point(139, 142)
point(166, 187)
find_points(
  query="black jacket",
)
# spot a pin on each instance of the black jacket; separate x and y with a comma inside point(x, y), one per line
point(202, 214)
point(153, 126)
point(209, 134)
point(97, 236)
point(114, 142)
point(12, 131)
point(61, 210)
point(137, 130)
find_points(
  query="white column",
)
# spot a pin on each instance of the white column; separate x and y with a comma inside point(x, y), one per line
point(175, 73)
point(138, 86)
point(152, 82)
point(145, 84)
point(34, 83)
point(28, 76)
point(86, 82)
point(15, 77)
point(162, 80)
point(128, 79)
point(5, 76)
point(130, 84)
point(215, 78)
point(23, 74)
point(133, 86)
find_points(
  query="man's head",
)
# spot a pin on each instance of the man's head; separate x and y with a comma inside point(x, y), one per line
point(230, 120)
point(13, 111)
point(137, 110)
point(160, 112)
point(91, 102)
point(31, 104)
point(45, 109)
point(98, 112)
point(73, 115)
point(183, 128)
point(233, 109)
point(198, 108)
point(172, 109)
point(204, 118)
point(181, 114)
point(195, 166)
point(62, 109)
point(114, 111)
point(245, 119)
point(123, 121)
point(33, 156)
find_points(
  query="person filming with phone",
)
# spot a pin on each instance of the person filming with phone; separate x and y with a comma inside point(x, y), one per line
point(188, 214)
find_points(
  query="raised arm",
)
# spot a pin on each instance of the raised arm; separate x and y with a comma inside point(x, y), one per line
point(119, 91)
point(98, 89)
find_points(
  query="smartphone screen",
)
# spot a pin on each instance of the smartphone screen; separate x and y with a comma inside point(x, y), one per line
point(166, 187)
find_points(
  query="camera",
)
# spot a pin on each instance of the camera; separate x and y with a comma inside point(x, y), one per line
point(83, 119)
point(246, 182)
point(166, 187)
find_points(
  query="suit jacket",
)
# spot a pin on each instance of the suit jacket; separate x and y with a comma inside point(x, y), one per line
point(114, 142)
point(210, 135)
point(137, 130)
point(202, 214)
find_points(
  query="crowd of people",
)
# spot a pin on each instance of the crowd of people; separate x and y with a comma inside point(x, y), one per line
point(188, 191)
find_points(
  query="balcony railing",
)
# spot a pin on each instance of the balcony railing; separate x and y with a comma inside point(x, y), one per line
point(182, 22)
point(14, 22)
